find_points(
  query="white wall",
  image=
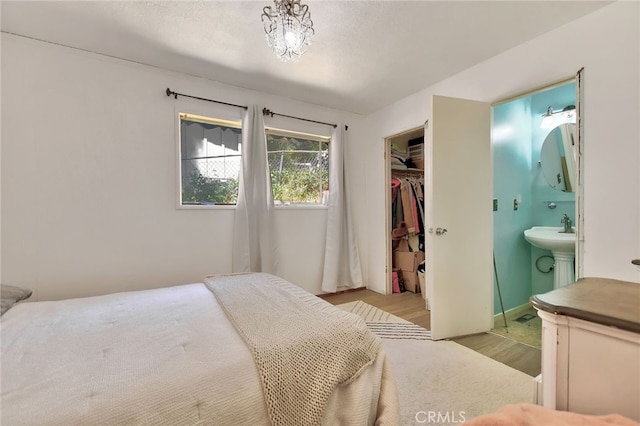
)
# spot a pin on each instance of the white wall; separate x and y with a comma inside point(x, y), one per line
point(89, 178)
point(607, 44)
point(88, 162)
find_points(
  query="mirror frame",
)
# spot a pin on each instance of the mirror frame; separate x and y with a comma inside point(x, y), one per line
point(558, 157)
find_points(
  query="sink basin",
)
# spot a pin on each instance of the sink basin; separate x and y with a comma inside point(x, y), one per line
point(551, 238)
point(561, 244)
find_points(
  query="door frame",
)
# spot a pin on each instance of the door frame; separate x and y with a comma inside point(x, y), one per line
point(578, 79)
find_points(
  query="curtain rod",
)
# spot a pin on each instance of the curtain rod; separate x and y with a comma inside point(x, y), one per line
point(267, 111)
point(176, 94)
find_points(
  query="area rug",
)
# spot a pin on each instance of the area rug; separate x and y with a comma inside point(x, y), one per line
point(371, 313)
point(385, 324)
point(442, 382)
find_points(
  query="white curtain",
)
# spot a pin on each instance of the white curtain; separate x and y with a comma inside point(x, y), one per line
point(341, 258)
point(254, 247)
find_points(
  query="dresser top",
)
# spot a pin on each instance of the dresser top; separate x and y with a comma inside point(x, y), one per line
point(598, 300)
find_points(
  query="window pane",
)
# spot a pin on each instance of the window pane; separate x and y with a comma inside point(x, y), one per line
point(299, 168)
point(210, 160)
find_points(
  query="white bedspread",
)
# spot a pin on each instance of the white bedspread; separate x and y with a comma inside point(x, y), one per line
point(167, 356)
point(326, 347)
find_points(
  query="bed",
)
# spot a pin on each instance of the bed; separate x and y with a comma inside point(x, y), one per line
point(232, 350)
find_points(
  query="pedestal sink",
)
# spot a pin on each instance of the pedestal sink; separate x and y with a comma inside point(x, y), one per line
point(561, 244)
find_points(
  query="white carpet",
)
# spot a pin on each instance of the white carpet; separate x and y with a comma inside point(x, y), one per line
point(442, 382)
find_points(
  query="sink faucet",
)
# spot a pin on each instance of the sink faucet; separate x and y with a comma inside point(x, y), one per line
point(567, 224)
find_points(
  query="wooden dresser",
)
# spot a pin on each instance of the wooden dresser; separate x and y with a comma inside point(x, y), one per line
point(591, 347)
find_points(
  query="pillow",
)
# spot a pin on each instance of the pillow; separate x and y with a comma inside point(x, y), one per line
point(11, 295)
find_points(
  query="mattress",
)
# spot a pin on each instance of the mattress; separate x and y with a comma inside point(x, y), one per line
point(162, 356)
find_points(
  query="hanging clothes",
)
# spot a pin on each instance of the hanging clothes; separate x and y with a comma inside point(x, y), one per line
point(407, 203)
point(395, 184)
point(396, 204)
point(405, 191)
point(418, 205)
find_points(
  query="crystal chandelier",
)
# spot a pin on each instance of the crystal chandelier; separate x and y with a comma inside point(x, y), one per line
point(288, 28)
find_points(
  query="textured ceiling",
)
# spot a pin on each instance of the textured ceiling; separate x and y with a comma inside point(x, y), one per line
point(364, 56)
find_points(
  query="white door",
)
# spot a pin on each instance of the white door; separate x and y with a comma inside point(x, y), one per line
point(459, 241)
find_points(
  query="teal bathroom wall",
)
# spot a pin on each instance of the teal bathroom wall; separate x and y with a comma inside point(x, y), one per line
point(511, 138)
point(517, 139)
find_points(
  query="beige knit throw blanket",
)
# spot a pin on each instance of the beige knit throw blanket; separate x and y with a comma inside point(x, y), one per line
point(303, 346)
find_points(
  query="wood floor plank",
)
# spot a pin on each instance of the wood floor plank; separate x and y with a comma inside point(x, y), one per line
point(411, 306)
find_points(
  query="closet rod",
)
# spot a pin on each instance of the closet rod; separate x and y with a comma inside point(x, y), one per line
point(267, 111)
point(176, 94)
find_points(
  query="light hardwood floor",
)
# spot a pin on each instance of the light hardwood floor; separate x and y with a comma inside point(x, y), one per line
point(411, 307)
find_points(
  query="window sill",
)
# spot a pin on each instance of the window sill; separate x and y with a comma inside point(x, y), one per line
point(301, 207)
point(233, 207)
point(206, 207)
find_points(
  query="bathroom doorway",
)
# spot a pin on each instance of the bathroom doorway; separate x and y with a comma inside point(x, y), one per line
point(525, 196)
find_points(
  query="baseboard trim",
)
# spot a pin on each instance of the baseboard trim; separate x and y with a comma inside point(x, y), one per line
point(515, 310)
point(348, 290)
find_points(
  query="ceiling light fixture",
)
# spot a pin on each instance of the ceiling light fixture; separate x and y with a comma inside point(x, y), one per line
point(288, 28)
point(568, 116)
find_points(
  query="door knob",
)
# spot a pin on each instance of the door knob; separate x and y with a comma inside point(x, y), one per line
point(441, 231)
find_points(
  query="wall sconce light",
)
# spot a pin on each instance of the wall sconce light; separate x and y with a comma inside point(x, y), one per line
point(568, 115)
point(548, 122)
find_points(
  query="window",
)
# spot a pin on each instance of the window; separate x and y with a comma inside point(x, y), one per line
point(299, 167)
point(210, 158)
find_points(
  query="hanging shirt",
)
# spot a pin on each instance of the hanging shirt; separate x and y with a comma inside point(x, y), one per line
point(407, 209)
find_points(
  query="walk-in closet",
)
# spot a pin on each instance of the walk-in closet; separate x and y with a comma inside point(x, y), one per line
point(405, 212)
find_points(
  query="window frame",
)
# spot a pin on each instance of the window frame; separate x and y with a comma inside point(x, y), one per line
point(214, 114)
point(309, 136)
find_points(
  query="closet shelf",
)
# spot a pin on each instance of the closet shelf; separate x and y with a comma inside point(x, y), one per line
point(408, 171)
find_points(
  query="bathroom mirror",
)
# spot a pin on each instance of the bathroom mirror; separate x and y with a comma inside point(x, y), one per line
point(558, 157)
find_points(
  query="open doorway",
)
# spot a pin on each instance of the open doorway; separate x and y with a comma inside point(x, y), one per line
point(535, 185)
point(405, 224)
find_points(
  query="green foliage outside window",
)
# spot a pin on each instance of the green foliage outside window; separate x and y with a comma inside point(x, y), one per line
point(299, 169)
point(298, 185)
point(204, 190)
